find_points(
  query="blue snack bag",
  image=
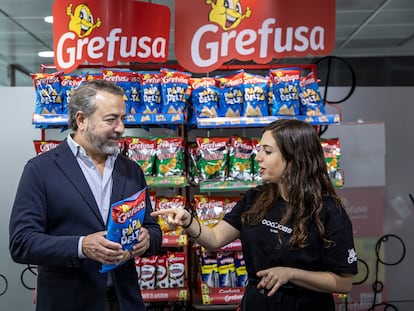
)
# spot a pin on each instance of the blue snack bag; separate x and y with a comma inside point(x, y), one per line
point(124, 224)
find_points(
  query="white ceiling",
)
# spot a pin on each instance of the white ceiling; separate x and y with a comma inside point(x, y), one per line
point(364, 28)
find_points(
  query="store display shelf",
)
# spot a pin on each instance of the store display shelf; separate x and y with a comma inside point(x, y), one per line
point(199, 306)
point(231, 185)
point(223, 122)
point(216, 296)
point(167, 181)
point(240, 185)
point(54, 120)
point(49, 120)
point(136, 119)
point(174, 240)
point(167, 294)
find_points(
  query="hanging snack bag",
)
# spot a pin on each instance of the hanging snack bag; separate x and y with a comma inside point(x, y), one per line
point(229, 203)
point(150, 92)
point(133, 102)
point(240, 158)
point(231, 94)
point(148, 267)
point(93, 76)
point(332, 152)
point(170, 156)
point(227, 269)
point(241, 271)
point(285, 91)
point(209, 209)
point(204, 97)
point(48, 93)
point(162, 203)
point(68, 84)
point(142, 151)
point(255, 103)
point(122, 78)
point(213, 157)
point(174, 85)
point(41, 146)
point(124, 224)
point(176, 269)
point(311, 103)
point(161, 275)
point(209, 269)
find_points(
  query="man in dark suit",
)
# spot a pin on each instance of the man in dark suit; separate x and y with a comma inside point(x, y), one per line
point(60, 213)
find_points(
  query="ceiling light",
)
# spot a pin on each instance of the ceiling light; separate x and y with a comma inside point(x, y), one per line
point(49, 19)
point(46, 54)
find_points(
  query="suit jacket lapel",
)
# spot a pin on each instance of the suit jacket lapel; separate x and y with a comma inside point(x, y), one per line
point(68, 164)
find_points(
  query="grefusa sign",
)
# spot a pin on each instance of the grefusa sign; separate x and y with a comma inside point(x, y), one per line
point(211, 32)
point(107, 32)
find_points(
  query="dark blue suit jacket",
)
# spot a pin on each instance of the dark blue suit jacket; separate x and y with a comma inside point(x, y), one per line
point(53, 207)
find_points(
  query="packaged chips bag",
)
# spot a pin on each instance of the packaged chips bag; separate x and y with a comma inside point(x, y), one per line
point(285, 91)
point(213, 158)
point(231, 93)
point(204, 97)
point(150, 96)
point(68, 84)
point(256, 88)
point(311, 103)
point(124, 224)
point(170, 157)
point(240, 158)
point(41, 146)
point(142, 150)
point(174, 85)
point(48, 93)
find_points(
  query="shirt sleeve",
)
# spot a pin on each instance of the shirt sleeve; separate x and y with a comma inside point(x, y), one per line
point(340, 257)
point(245, 203)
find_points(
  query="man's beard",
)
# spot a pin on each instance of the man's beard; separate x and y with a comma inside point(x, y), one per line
point(102, 143)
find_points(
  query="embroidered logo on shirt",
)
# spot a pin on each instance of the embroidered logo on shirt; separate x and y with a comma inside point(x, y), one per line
point(275, 226)
point(352, 256)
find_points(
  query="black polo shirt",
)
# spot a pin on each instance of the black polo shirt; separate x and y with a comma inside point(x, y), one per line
point(260, 242)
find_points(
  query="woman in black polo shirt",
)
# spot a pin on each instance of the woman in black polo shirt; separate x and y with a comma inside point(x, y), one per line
point(296, 236)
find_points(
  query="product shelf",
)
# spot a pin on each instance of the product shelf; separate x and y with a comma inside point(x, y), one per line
point(225, 122)
point(174, 240)
point(56, 120)
point(167, 294)
point(167, 181)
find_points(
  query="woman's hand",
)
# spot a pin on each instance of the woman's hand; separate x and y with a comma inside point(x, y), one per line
point(174, 217)
point(273, 278)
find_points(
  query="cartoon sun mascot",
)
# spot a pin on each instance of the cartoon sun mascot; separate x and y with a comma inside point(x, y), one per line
point(227, 13)
point(81, 21)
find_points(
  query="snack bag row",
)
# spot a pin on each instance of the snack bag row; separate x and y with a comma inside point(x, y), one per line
point(145, 92)
point(162, 156)
point(284, 91)
point(162, 271)
point(223, 269)
point(221, 158)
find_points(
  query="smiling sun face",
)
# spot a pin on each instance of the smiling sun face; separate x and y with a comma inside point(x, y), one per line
point(82, 20)
point(227, 13)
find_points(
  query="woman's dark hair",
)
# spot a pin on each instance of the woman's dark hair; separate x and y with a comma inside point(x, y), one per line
point(305, 180)
point(83, 98)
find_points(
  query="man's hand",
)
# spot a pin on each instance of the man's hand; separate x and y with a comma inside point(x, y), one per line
point(95, 246)
point(142, 245)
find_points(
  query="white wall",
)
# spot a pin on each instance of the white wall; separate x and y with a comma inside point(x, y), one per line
point(390, 109)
